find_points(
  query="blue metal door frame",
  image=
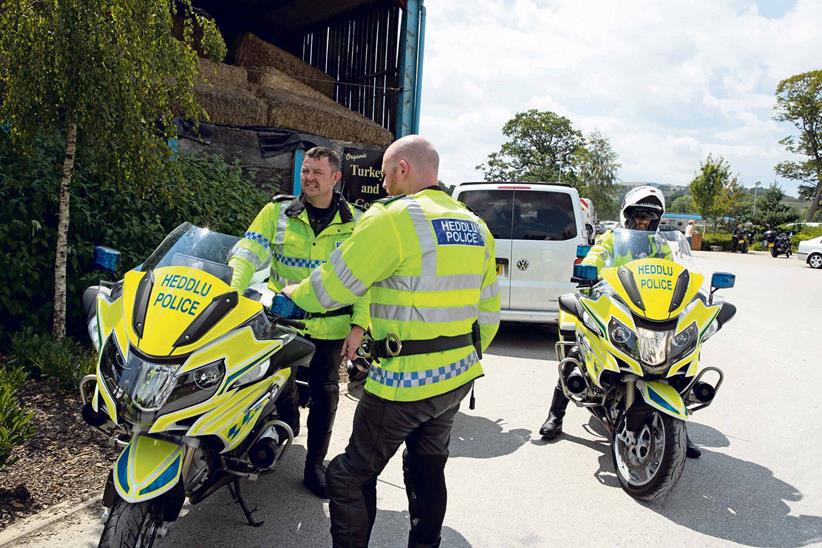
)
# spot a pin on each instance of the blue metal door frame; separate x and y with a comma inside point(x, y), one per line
point(412, 49)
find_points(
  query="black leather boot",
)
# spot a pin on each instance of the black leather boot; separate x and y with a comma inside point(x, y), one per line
point(552, 427)
point(287, 410)
point(691, 450)
point(414, 544)
point(320, 422)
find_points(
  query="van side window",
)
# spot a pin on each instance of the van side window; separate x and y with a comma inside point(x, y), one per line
point(543, 216)
point(494, 206)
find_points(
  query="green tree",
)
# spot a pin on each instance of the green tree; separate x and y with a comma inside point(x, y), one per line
point(109, 76)
point(541, 146)
point(683, 204)
point(731, 199)
point(771, 211)
point(799, 101)
point(596, 166)
point(707, 186)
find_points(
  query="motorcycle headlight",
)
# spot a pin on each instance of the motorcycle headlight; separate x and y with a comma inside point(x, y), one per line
point(147, 384)
point(195, 386)
point(684, 343)
point(653, 346)
point(590, 323)
point(623, 337)
point(712, 329)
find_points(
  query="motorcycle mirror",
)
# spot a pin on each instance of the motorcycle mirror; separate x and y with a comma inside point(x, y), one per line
point(722, 280)
point(106, 258)
point(582, 251)
point(585, 272)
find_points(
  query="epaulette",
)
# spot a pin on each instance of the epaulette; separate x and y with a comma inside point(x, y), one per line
point(282, 197)
point(389, 199)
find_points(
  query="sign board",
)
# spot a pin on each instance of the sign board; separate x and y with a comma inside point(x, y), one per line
point(362, 175)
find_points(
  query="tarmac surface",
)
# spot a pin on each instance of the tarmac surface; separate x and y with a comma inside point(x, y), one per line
point(758, 482)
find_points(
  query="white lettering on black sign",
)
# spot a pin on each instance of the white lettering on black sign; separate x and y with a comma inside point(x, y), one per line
point(457, 232)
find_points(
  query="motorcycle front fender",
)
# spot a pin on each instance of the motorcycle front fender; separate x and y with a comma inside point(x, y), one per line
point(147, 468)
point(664, 398)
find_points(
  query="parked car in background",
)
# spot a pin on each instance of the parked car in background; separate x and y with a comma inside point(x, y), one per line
point(537, 227)
point(609, 225)
point(810, 251)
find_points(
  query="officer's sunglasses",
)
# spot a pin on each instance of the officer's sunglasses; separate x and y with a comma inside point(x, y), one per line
point(645, 216)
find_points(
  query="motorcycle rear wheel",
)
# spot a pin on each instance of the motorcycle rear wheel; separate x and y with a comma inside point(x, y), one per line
point(132, 525)
point(652, 465)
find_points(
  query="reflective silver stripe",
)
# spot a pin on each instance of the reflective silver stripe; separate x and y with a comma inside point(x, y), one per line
point(281, 280)
point(325, 300)
point(489, 291)
point(348, 279)
point(282, 225)
point(432, 283)
point(414, 379)
point(425, 236)
point(489, 318)
point(416, 314)
point(250, 256)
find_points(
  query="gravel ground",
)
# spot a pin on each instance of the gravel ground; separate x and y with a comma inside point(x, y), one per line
point(65, 460)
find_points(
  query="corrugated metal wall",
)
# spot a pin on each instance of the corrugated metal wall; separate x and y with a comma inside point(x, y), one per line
point(361, 52)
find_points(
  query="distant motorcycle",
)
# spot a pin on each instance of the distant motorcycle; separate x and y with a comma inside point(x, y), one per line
point(740, 241)
point(781, 246)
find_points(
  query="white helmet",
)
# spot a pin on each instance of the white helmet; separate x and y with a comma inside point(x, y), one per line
point(647, 199)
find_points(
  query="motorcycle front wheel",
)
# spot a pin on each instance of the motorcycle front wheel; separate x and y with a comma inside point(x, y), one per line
point(650, 461)
point(132, 525)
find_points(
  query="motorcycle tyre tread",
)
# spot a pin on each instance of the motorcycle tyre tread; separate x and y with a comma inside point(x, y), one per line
point(666, 480)
point(125, 521)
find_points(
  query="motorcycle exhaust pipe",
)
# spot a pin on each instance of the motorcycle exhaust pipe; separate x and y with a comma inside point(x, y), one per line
point(575, 382)
point(263, 454)
point(92, 417)
point(704, 392)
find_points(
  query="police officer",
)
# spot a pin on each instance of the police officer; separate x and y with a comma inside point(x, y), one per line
point(642, 208)
point(430, 266)
point(301, 233)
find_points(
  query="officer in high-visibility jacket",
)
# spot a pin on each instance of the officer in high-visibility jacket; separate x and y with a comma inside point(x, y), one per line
point(429, 263)
point(299, 234)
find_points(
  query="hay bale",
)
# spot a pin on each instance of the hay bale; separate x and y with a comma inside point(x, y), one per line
point(221, 75)
point(272, 78)
point(231, 106)
point(321, 116)
point(252, 51)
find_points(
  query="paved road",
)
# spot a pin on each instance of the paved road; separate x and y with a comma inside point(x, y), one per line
point(758, 482)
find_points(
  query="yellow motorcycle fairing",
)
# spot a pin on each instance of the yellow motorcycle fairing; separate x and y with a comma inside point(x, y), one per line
point(663, 397)
point(147, 468)
point(656, 289)
point(179, 296)
point(702, 315)
point(109, 324)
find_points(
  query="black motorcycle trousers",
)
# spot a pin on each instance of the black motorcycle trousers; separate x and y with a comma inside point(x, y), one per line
point(380, 427)
point(323, 377)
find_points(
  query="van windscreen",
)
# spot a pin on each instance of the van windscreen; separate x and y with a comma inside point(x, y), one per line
point(494, 206)
point(543, 216)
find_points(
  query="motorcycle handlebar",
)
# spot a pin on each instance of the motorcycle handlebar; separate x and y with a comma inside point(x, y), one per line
point(279, 320)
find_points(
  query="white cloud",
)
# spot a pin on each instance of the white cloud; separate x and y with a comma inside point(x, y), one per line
point(667, 82)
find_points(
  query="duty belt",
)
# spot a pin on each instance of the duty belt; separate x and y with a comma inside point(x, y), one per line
point(344, 311)
point(393, 347)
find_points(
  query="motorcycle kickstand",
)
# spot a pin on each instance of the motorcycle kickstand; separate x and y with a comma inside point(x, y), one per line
point(234, 489)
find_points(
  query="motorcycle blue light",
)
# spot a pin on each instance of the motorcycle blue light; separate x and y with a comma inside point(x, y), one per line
point(106, 258)
point(582, 251)
point(585, 272)
point(723, 280)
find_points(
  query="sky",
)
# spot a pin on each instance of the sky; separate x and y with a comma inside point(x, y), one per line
point(668, 82)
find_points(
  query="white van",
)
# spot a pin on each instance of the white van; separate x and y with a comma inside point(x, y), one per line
point(537, 228)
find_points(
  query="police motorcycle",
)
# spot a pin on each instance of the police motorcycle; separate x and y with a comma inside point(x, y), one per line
point(782, 245)
point(740, 241)
point(630, 347)
point(187, 380)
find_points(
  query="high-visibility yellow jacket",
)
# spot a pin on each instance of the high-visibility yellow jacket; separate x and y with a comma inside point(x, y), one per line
point(429, 263)
point(609, 251)
point(282, 233)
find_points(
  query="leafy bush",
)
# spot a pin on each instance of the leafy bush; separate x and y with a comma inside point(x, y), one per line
point(131, 216)
point(15, 423)
point(720, 238)
point(62, 363)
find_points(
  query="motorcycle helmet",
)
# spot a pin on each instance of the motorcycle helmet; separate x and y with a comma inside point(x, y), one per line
point(645, 199)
